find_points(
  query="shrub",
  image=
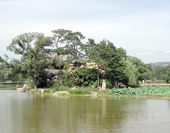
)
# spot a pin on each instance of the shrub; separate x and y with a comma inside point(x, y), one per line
point(80, 77)
point(46, 91)
point(56, 84)
point(76, 91)
point(84, 76)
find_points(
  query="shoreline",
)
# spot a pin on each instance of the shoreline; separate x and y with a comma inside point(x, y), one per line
point(158, 92)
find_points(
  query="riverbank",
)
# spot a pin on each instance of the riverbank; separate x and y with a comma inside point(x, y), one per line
point(143, 91)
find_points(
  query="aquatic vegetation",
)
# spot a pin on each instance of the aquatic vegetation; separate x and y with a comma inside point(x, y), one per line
point(144, 91)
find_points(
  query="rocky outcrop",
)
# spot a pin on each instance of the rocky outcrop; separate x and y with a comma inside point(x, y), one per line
point(60, 93)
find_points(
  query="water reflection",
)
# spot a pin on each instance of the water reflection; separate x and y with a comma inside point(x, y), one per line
point(20, 112)
point(7, 86)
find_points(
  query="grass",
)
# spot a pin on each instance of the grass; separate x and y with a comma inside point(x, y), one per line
point(140, 91)
point(32, 91)
point(82, 90)
point(78, 91)
point(46, 91)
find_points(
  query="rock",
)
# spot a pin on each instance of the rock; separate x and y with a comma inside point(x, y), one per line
point(42, 90)
point(74, 88)
point(93, 93)
point(25, 86)
point(60, 92)
point(103, 85)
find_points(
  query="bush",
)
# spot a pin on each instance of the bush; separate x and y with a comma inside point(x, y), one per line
point(82, 90)
point(80, 77)
point(76, 91)
point(56, 84)
point(30, 86)
point(46, 91)
point(84, 76)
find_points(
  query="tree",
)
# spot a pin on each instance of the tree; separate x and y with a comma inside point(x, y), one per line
point(3, 69)
point(72, 41)
point(59, 35)
point(93, 53)
point(2, 72)
point(131, 74)
point(149, 73)
point(168, 76)
point(107, 57)
point(6, 70)
point(135, 71)
point(142, 67)
point(31, 47)
point(116, 66)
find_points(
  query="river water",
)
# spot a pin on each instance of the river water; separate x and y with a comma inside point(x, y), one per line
point(24, 113)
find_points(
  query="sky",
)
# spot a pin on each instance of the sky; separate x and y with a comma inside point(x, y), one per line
point(142, 27)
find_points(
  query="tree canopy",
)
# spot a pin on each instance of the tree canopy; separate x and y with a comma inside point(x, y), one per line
point(108, 58)
point(31, 47)
point(71, 40)
point(113, 64)
point(168, 76)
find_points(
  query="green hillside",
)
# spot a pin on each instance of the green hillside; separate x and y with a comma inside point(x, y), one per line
point(159, 64)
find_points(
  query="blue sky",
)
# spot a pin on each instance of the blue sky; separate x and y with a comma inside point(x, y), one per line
point(140, 27)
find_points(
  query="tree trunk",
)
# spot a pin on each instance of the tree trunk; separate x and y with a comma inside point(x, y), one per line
point(34, 83)
point(56, 43)
point(98, 78)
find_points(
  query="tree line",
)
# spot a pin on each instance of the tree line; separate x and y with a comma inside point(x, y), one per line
point(158, 74)
point(113, 64)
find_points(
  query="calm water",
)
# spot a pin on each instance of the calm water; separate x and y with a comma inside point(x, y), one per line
point(23, 113)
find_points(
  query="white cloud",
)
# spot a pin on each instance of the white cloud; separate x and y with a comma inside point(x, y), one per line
point(167, 52)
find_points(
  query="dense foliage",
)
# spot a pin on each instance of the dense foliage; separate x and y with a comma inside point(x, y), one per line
point(37, 54)
point(157, 74)
point(30, 46)
point(135, 71)
point(168, 75)
point(108, 58)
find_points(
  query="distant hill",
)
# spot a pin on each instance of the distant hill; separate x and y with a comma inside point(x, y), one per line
point(159, 64)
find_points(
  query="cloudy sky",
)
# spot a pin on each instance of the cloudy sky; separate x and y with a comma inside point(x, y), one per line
point(142, 27)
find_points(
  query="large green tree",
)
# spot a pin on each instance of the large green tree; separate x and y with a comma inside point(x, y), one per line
point(7, 71)
point(108, 58)
point(31, 48)
point(71, 41)
point(131, 74)
point(59, 36)
point(141, 66)
point(135, 71)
